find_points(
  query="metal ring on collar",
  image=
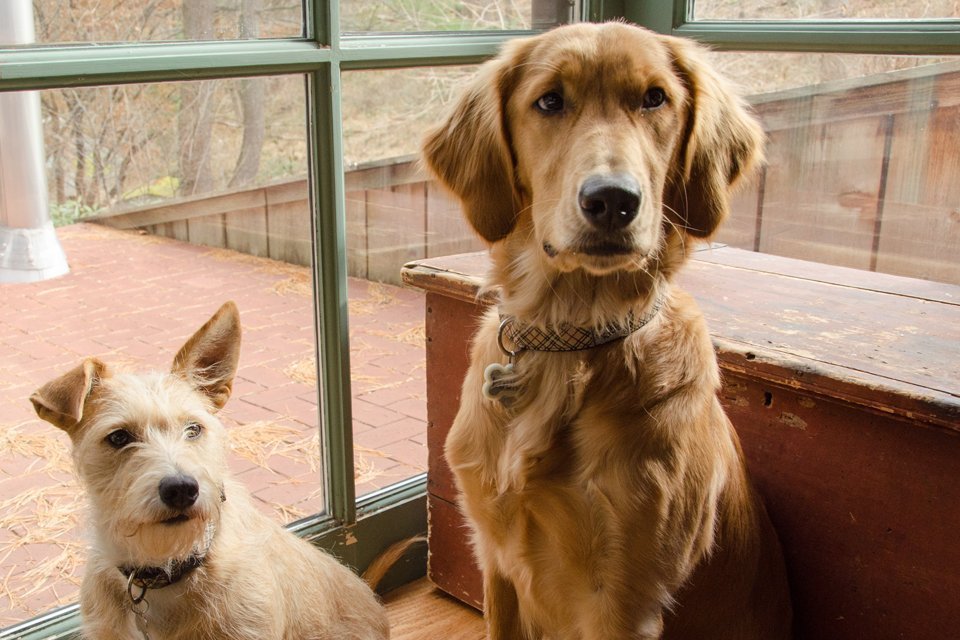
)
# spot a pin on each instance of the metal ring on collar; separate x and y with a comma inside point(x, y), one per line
point(143, 590)
point(507, 352)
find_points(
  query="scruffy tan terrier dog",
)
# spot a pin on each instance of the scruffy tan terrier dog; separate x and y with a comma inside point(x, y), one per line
point(179, 550)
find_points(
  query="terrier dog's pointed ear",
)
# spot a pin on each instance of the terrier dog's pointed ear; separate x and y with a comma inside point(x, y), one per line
point(470, 151)
point(60, 401)
point(722, 142)
point(209, 358)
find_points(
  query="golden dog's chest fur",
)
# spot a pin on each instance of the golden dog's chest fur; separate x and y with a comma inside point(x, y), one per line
point(607, 495)
point(618, 494)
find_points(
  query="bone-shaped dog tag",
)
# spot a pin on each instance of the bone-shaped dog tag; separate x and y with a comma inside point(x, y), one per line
point(494, 386)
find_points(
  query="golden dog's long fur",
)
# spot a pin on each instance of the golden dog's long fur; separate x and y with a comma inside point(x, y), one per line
point(608, 500)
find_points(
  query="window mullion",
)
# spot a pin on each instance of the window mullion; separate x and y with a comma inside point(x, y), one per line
point(866, 37)
point(91, 65)
point(329, 229)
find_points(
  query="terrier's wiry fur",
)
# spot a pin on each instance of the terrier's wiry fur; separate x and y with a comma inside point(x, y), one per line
point(165, 511)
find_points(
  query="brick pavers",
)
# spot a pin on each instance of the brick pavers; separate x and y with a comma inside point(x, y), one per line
point(131, 300)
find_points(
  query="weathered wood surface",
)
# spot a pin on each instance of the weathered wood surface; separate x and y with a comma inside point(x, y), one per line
point(393, 215)
point(845, 389)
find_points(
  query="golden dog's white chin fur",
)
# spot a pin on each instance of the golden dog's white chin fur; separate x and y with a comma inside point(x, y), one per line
point(608, 499)
point(257, 581)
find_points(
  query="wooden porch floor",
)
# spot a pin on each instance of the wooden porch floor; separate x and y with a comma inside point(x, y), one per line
point(420, 611)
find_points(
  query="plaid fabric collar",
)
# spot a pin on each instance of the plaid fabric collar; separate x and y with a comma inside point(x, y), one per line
point(566, 337)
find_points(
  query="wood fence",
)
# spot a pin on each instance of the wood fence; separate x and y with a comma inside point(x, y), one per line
point(862, 173)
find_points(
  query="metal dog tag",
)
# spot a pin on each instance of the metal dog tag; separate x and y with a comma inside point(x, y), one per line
point(494, 385)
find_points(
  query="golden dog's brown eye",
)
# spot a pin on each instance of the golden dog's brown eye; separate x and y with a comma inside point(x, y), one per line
point(550, 103)
point(119, 439)
point(654, 98)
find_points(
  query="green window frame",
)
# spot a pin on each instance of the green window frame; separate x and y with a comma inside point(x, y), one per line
point(357, 530)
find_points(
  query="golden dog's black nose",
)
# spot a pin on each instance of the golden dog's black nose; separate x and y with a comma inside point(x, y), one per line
point(610, 202)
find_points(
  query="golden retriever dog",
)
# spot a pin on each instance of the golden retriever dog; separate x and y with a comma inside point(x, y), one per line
point(603, 483)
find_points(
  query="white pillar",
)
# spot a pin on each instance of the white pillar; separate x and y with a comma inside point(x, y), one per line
point(29, 249)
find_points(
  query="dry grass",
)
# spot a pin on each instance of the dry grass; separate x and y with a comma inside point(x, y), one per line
point(296, 284)
point(261, 440)
point(47, 448)
point(297, 279)
point(415, 336)
point(47, 513)
point(303, 371)
point(379, 296)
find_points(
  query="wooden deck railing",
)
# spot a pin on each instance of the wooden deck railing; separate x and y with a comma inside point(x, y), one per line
point(861, 173)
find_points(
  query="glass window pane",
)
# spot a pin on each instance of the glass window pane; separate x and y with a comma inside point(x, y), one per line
point(861, 165)
point(450, 15)
point(170, 199)
point(394, 215)
point(103, 21)
point(824, 10)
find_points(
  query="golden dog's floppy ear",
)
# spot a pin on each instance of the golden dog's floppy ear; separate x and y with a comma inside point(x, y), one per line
point(209, 358)
point(722, 142)
point(60, 401)
point(470, 151)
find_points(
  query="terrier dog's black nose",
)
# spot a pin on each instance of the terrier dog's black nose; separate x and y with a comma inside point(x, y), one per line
point(610, 202)
point(179, 492)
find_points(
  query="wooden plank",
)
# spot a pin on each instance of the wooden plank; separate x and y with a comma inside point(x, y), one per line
point(417, 611)
point(821, 192)
point(395, 231)
point(383, 174)
point(246, 229)
point(878, 95)
point(740, 229)
point(458, 276)
point(829, 274)
point(865, 506)
point(449, 326)
point(451, 565)
point(920, 232)
point(290, 192)
point(207, 230)
point(448, 232)
point(288, 223)
point(182, 209)
point(178, 230)
point(356, 213)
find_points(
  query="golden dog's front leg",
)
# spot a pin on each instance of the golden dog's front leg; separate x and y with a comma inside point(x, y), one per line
point(501, 609)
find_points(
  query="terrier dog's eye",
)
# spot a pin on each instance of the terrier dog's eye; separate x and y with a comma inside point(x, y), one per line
point(192, 431)
point(119, 439)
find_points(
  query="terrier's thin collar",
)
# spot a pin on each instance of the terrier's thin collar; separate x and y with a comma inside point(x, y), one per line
point(158, 577)
point(567, 337)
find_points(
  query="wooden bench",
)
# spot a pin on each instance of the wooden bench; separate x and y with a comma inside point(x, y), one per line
point(844, 387)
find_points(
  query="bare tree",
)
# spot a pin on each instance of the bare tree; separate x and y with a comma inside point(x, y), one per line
point(251, 104)
point(197, 108)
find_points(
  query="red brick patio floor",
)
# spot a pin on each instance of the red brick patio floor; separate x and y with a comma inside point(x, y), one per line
point(132, 300)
